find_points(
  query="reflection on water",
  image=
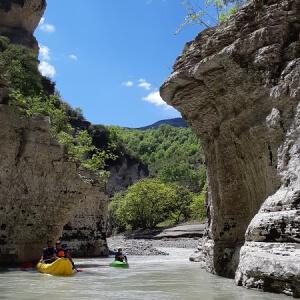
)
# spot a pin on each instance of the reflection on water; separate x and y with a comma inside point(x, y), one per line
point(149, 277)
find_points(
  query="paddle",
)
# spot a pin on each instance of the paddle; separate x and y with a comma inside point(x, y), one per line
point(48, 260)
point(75, 267)
point(78, 270)
point(27, 265)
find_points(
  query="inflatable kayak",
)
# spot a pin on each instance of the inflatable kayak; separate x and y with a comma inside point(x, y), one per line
point(118, 264)
point(61, 266)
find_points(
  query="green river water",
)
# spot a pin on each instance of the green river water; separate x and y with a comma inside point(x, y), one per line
point(149, 277)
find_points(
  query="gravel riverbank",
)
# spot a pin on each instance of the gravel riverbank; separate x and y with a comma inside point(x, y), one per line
point(139, 246)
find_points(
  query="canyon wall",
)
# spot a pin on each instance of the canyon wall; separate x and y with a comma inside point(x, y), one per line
point(237, 86)
point(41, 192)
point(19, 19)
point(125, 174)
point(42, 195)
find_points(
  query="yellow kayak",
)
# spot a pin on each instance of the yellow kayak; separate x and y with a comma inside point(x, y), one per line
point(61, 266)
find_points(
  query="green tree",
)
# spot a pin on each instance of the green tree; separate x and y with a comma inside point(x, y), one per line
point(180, 209)
point(116, 221)
point(197, 207)
point(81, 150)
point(146, 203)
point(21, 67)
point(200, 16)
point(183, 175)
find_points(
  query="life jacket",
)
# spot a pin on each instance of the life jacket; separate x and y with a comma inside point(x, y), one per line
point(48, 253)
point(60, 252)
point(119, 257)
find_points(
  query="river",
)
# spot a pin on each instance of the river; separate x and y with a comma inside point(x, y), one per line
point(149, 277)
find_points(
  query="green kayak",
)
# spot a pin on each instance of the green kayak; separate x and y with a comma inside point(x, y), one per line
point(118, 264)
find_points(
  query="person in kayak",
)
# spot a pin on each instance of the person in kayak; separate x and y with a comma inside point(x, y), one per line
point(120, 256)
point(63, 252)
point(49, 253)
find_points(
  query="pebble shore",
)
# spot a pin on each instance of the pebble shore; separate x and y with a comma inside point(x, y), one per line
point(133, 246)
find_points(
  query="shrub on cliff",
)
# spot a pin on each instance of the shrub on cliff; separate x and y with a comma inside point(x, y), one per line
point(201, 16)
point(20, 66)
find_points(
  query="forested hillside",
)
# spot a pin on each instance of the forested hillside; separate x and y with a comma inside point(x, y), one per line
point(174, 191)
point(175, 122)
point(172, 154)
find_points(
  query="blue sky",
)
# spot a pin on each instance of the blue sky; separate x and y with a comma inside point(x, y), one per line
point(109, 57)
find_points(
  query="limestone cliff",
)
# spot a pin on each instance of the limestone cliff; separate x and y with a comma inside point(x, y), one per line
point(19, 19)
point(125, 174)
point(237, 86)
point(40, 193)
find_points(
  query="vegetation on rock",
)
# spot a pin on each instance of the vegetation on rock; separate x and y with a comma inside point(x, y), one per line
point(19, 66)
point(173, 155)
point(200, 16)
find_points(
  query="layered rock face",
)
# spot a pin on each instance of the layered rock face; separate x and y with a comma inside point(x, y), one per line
point(40, 193)
point(238, 87)
point(19, 19)
point(85, 232)
point(124, 175)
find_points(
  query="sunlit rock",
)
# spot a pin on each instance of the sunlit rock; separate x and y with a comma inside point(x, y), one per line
point(237, 86)
point(40, 192)
point(19, 19)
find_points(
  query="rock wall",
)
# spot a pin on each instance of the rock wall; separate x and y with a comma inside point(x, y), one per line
point(124, 175)
point(237, 87)
point(40, 193)
point(85, 232)
point(19, 19)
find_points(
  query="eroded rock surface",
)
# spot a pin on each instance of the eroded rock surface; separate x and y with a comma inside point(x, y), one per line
point(19, 19)
point(125, 174)
point(238, 87)
point(40, 193)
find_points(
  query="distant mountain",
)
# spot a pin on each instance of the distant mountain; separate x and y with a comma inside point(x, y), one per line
point(176, 122)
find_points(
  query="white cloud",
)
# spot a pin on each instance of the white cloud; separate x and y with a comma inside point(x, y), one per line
point(154, 98)
point(47, 27)
point(44, 52)
point(42, 21)
point(74, 57)
point(127, 83)
point(46, 69)
point(144, 84)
